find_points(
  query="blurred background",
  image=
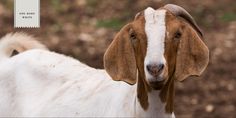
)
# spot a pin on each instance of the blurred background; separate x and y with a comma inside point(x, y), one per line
point(83, 29)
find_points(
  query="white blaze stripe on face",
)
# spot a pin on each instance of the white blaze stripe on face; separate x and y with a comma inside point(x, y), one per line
point(155, 29)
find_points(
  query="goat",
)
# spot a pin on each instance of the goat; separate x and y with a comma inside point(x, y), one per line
point(145, 58)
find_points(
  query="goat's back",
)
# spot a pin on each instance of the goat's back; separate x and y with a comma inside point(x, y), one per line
point(43, 83)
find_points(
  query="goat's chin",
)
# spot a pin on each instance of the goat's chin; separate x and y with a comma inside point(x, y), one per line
point(156, 85)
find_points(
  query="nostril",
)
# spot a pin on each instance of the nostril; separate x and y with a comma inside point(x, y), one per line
point(149, 68)
point(160, 67)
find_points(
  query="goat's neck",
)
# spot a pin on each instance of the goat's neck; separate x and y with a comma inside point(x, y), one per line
point(155, 108)
point(158, 103)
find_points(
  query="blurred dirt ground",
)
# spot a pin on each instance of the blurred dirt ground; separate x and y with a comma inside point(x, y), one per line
point(84, 28)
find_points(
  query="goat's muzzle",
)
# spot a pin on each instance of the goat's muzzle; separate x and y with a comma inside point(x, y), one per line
point(155, 69)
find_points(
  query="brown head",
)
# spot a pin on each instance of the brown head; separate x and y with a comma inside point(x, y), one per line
point(156, 48)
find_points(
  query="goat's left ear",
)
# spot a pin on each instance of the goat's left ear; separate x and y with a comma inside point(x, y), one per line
point(119, 59)
point(192, 56)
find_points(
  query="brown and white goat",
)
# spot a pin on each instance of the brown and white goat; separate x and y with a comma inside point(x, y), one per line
point(157, 48)
point(150, 53)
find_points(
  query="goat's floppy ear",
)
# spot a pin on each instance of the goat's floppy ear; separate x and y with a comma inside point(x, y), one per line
point(192, 56)
point(119, 59)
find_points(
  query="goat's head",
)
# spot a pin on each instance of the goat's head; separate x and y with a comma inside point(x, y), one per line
point(162, 45)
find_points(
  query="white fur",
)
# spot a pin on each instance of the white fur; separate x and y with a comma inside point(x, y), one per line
point(43, 83)
point(156, 108)
point(155, 29)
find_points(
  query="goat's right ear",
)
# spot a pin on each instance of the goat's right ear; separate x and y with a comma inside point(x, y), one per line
point(119, 59)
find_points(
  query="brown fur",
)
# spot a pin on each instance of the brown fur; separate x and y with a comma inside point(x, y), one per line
point(185, 54)
point(119, 59)
point(140, 48)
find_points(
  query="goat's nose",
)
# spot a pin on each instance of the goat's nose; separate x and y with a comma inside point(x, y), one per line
point(155, 69)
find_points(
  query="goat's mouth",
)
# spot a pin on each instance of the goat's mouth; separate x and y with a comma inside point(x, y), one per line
point(157, 85)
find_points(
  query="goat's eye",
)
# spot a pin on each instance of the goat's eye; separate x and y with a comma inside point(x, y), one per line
point(178, 35)
point(132, 36)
